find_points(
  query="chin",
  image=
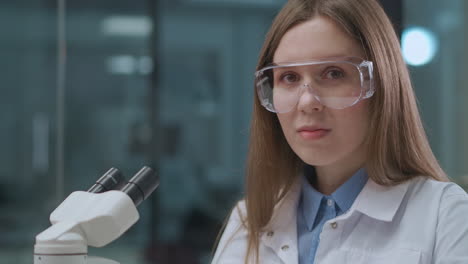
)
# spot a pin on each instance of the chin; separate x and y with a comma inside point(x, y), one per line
point(316, 163)
point(317, 159)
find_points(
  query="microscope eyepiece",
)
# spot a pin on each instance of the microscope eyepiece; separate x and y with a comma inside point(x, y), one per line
point(141, 185)
point(111, 180)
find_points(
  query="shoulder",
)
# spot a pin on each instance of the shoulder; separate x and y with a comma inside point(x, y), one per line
point(237, 217)
point(445, 203)
point(431, 190)
point(449, 202)
point(426, 197)
point(239, 212)
point(427, 203)
point(232, 245)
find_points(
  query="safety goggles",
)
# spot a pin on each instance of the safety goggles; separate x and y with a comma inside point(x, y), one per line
point(336, 83)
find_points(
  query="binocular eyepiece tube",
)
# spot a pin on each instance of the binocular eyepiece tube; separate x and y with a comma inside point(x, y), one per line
point(111, 180)
point(140, 186)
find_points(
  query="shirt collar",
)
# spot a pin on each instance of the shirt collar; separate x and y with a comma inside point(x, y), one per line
point(344, 196)
point(310, 202)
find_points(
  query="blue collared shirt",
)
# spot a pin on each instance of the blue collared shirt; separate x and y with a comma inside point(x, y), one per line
point(315, 209)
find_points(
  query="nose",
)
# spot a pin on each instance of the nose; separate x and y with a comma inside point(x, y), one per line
point(308, 100)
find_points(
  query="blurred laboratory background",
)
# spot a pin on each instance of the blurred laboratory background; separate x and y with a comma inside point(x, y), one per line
point(89, 85)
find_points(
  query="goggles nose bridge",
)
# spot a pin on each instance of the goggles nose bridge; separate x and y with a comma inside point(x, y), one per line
point(306, 87)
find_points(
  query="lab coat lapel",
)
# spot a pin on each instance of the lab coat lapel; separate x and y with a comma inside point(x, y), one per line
point(281, 232)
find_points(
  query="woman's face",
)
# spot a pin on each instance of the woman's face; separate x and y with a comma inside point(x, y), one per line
point(322, 136)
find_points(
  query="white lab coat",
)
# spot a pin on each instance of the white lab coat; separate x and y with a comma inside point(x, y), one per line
point(421, 221)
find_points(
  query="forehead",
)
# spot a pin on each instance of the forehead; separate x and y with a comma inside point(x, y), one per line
point(317, 38)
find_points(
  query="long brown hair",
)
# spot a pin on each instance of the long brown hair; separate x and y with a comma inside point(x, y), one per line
point(398, 149)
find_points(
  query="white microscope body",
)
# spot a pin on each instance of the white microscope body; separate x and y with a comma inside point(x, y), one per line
point(94, 218)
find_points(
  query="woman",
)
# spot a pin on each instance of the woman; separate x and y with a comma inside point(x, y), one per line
point(339, 167)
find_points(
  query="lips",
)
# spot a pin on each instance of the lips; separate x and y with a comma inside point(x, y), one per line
point(313, 132)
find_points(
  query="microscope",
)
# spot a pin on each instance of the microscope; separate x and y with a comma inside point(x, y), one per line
point(94, 218)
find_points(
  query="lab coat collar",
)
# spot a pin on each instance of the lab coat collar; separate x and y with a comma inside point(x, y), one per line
point(376, 201)
point(380, 202)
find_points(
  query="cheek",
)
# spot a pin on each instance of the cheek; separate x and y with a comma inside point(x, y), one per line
point(289, 131)
point(287, 123)
point(352, 123)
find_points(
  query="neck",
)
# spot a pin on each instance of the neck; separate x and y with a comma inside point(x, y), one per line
point(331, 177)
